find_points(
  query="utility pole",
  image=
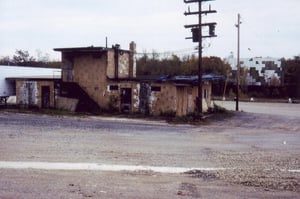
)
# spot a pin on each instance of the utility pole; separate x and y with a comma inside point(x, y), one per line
point(238, 64)
point(197, 37)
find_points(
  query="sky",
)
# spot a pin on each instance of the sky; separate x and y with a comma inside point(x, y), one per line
point(269, 27)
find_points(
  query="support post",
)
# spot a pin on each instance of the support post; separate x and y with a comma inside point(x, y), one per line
point(199, 100)
point(238, 65)
point(197, 37)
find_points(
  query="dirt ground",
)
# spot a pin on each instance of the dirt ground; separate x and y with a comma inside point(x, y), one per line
point(259, 153)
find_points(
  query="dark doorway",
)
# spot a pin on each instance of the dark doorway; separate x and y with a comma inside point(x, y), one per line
point(125, 100)
point(45, 96)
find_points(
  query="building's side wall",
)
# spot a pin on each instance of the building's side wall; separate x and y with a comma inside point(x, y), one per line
point(29, 93)
point(124, 65)
point(110, 64)
point(113, 94)
point(67, 68)
point(206, 95)
point(123, 71)
point(178, 98)
point(90, 73)
point(49, 84)
point(95, 74)
point(163, 98)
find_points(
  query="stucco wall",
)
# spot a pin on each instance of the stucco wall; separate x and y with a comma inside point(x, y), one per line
point(27, 93)
point(93, 73)
point(123, 65)
point(169, 97)
point(113, 92)
point(163, 100)
point(110, 65)
point(90, 74)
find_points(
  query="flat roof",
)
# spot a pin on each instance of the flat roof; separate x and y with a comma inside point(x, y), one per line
point(41, 77)
point(90, 49)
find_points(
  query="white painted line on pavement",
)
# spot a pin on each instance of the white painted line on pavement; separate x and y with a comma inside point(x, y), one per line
point(97, 167)
point(106, 167)
point(294, 171)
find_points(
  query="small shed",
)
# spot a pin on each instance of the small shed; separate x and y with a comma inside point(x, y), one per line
point(175, 94)
point(28, 84)
point(36, 91)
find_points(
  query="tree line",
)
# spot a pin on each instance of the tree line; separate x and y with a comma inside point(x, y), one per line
point(291, 78)
point(152, 64)
point(174, 65)
point(23, 58)
point(146, 64)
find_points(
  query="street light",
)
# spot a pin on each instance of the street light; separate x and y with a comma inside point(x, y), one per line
point(238, 64)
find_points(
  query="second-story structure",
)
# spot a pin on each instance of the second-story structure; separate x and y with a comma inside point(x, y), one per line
point(102, 73)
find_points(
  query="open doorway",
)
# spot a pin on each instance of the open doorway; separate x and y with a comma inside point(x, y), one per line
point(45, 96)
point(126, 100)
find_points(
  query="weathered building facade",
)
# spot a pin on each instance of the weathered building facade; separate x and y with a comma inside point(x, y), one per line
point(159, 97)
point(108, 77)
point(97, 78)
point(37, 92)
point(31, 86)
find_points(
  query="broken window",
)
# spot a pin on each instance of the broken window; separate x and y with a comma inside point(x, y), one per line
point(156, 88)
point(113, 87)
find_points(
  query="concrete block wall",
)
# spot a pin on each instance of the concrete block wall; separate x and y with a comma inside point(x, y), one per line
point(178, 98)
point(29, 93)
point(124, 67)
point(163, 100)
point(90, 74)
point(116, 93)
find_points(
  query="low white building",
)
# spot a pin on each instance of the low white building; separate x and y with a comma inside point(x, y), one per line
point(8, 86)
point(261, 70)
point(10, 75)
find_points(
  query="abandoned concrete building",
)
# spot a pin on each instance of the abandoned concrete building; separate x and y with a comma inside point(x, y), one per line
point(97, 78)
point(29, 86)
point(108, 77)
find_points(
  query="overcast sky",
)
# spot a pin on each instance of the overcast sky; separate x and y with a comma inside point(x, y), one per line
point(269, 27)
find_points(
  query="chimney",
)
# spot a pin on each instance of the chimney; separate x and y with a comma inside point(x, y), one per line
point(132, 60)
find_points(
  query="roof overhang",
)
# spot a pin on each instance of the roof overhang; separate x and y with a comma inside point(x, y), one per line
point(36, 78)
point(90, 49)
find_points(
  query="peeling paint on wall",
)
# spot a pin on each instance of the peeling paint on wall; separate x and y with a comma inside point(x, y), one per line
point(136, 98)
point(124, 66)
point(145, 98)
point(28, 93)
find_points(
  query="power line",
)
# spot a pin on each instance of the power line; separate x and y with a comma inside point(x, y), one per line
point(168, 53)
point(197, 36)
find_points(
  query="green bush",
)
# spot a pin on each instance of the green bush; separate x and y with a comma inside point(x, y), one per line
point(217, 109)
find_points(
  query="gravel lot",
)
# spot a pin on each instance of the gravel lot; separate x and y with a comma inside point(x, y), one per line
point(260, 151)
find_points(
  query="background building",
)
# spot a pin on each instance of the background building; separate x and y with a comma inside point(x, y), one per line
point(259, 70)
